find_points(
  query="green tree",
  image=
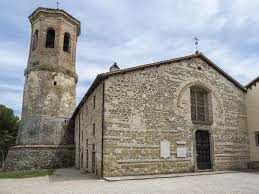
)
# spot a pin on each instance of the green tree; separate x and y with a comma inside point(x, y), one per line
point(9, 124)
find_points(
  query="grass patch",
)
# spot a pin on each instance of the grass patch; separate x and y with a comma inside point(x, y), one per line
point(25, 173)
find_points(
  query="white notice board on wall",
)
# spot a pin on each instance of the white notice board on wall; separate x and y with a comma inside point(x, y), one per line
point(165, 149)
point(181, 152)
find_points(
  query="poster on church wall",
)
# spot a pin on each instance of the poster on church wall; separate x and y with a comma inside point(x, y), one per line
point(181, 152)
point(165, 149)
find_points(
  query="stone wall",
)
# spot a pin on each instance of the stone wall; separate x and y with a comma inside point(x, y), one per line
point(50, 81)
point(91, 113)
point(46, 108)
point(252, 101)
point(147, 106)
point(39, 157)
point(49, 94)
point(54, 56)
point(46, 130)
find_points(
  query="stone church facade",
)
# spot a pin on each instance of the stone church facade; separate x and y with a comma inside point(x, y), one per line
point(179, 115)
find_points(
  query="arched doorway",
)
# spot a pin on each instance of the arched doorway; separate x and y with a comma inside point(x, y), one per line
point(203, 150)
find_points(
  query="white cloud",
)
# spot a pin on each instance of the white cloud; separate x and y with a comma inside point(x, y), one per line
point(12, 100)
point(81, 90)
point(243, 68)
point(8, 86)
point(13, 59)
point(242, 12)
point(137, 32)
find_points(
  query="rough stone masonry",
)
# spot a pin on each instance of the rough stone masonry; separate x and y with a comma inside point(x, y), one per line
point(44, 140)
point(139, 108)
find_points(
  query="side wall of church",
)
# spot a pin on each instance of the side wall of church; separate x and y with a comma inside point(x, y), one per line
point(88, 133)
point(147, 106)
point(253, 120)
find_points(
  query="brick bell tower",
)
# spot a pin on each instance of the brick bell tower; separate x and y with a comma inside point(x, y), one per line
point(49, 97)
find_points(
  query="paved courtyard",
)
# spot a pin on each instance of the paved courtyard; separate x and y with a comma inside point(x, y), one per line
point(77, 183)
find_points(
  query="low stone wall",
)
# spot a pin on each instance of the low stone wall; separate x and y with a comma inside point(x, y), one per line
point(31, 157)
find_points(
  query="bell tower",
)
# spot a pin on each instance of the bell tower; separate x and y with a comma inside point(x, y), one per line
point(49, 97)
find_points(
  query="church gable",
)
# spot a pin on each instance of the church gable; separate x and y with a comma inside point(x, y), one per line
point(176, 60)
point(198, 56)
point(148, 104)
point(171, 82)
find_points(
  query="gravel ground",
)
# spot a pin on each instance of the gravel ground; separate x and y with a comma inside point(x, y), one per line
point(71, 181)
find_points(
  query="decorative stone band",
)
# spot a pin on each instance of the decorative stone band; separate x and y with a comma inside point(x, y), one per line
point(44, 146)
point(51, 68)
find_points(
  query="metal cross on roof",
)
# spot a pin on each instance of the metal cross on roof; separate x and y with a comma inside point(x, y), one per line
point(58, 4)
point(196, 42)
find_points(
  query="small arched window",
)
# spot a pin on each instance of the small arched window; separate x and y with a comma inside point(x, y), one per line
point(35, 40)
point(199, 104)
point(66, 43)
point(50, 38)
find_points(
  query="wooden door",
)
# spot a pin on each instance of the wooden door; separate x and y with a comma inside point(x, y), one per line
point(203, 150)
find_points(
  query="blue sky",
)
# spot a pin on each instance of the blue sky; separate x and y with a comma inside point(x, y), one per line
point(134, 32)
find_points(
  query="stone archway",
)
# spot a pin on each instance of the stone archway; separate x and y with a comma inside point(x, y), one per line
point(217, 108)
